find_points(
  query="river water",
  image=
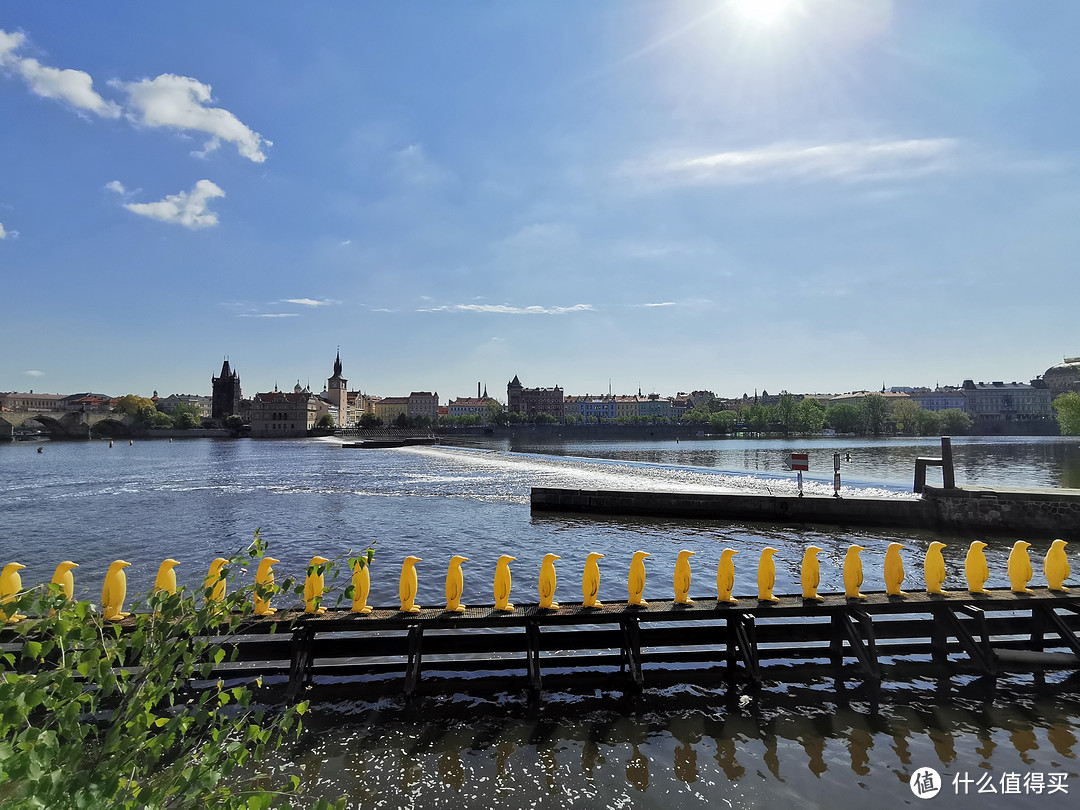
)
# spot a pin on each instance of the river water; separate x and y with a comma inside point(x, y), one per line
point(806, 745)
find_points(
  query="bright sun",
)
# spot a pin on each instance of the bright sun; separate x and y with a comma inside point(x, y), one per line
point(763, 13)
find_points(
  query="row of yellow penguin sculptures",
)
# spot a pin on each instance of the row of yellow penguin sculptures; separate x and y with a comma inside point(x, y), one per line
point(1056, 567)
point(114, 589)
point(977, 572)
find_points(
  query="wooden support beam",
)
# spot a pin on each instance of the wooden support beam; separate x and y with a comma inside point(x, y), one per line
point(300, 664)
point(939, 636)
point(532, 643)
point(859, 629)
point(1038, 628)
point(412, 668)
point(631, 648)
point(1057, 625)
point(742, 626)
point(979, 651)
point(836, 641)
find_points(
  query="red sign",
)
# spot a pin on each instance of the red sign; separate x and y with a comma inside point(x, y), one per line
point(797, 461)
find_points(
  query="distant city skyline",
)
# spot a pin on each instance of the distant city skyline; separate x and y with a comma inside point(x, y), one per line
point(836, 195)
point(499, 391)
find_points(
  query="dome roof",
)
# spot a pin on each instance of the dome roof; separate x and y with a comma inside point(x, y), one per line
point(1064, 375)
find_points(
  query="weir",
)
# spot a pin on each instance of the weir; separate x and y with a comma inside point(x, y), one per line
point(1039, 512)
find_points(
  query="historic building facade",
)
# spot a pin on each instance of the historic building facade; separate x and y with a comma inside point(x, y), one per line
point(1008, 402)
point(531, 401)
point(278, 415)
point(425, 404)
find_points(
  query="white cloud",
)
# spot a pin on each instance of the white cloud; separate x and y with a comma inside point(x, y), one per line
point(274, 315)
point(3, 233)
point(73, 86)
point(34, 373)
point(506, 309)
point(117, 186)
point(659, 304)
point(180, 102)
point(185, 208)
point(309, 302)
point(76, 87)
point(849, 161)
point(8, 44)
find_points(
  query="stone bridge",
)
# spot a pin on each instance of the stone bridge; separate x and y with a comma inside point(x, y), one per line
point(61, 424)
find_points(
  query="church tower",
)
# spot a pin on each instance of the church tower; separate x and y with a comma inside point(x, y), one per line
point(225, 399)
point(338, 390)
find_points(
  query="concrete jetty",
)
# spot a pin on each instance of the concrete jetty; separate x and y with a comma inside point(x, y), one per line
point(999, 510)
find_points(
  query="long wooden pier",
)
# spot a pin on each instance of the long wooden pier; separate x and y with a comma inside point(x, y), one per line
point(622, 648)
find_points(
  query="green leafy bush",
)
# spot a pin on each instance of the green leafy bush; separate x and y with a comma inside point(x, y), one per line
point(98, 714)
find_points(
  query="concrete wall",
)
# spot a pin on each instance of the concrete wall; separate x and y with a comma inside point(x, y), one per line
point(1007, 510)
point(834, 511)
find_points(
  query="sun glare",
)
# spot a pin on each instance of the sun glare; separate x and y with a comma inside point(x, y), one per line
point(763, 13)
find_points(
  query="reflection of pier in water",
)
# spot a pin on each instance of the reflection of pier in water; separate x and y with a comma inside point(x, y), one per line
point(690, 739)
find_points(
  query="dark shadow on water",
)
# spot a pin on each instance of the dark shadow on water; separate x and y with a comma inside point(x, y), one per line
point(692, 746)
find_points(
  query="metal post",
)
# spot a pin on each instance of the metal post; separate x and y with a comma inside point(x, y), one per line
point(948, 478)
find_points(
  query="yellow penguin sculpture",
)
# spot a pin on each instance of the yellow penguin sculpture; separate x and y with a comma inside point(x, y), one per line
point(547, 582)
point(682, 578)
point(65, 579)
point(811, 574)
point(853, 574)
point(894, 570)
point(314, 586)
point(975, 568)
point(166, 576)
point(1019, 566)
point(361, 585)
point(455, 584)
point(635, 583)
point(590, 581)
point(934, 568)
point(264, 584)
point(408, 584)
point(766, 575)
point(114, 591)
point(10, 585)
point(725, 576)
point(502, 583)
point(1056, 566)
point(215, 580)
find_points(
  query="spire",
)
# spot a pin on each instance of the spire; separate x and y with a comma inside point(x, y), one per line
point(226, 372)
point(337, 363)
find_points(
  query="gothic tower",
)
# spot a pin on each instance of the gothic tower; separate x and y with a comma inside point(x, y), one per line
point(338, 390)
point(226, 396)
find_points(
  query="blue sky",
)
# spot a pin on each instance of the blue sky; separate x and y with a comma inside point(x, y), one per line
point(811, 195)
